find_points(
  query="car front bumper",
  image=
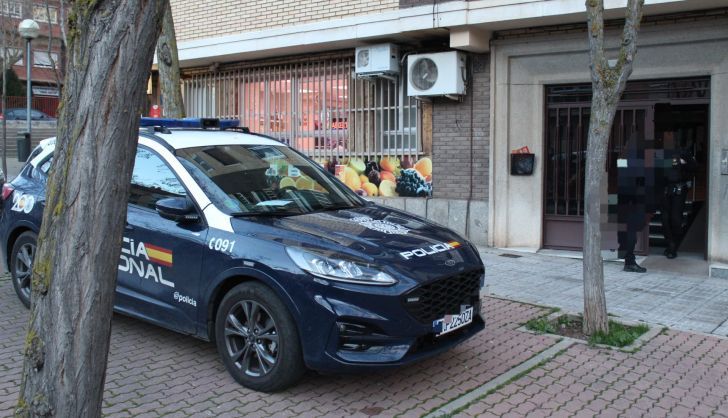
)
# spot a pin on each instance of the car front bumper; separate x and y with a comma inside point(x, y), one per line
point(349, 329)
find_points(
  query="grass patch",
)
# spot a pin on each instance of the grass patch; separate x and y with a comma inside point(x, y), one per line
point(541, 326)
point(619, 335)
point(571, 326)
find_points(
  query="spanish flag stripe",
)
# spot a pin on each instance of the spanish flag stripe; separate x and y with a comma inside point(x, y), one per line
point(454, 244)
point(159, 255)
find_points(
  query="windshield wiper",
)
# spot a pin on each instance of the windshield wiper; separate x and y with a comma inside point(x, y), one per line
point(264, 214)
point(337, 206)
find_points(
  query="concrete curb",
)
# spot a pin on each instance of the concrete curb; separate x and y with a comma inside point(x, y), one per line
point(461, 402)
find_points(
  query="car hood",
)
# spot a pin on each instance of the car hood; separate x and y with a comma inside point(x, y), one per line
point(399, 242)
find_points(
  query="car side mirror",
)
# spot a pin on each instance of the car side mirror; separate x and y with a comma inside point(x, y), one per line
point(178, 209)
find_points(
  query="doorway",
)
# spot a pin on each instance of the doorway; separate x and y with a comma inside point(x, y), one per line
point(649, 109)
point(688, 125)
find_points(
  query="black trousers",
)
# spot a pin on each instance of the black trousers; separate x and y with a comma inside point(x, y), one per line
point(631, 218)
point(672, 207)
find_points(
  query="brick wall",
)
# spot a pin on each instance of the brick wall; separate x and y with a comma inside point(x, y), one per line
point(196, 19)
point(451, 144)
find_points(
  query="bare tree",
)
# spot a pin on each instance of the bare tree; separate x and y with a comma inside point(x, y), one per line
point(111, 45)
point(168, 64)
point(57, 71)
point(11, 53)
point(609, 79)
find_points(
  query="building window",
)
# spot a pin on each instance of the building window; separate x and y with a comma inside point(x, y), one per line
point(349, 125)
point(12, 9)
point(43, 60)
point(40, 14)
point(318, 108)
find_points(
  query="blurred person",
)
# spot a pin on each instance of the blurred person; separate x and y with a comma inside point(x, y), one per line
point(678, 168)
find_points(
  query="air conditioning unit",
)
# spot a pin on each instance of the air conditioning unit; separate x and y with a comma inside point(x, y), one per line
point(437, 74)
point(372, 60)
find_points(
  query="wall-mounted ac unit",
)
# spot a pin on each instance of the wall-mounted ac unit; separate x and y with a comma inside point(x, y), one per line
point(437, 74)
point(372, 60)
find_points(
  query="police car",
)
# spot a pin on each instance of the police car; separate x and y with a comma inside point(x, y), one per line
point(236, 238)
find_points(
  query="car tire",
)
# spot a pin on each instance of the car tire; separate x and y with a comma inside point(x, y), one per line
point(269, 359)
point(21, 264)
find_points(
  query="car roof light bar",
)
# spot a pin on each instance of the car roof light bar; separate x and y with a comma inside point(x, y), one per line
point(195, 123)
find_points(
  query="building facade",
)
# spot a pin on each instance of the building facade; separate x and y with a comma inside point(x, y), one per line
point(288, 69)
point(45, 58)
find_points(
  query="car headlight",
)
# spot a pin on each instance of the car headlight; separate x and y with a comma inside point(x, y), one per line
point(338, 269)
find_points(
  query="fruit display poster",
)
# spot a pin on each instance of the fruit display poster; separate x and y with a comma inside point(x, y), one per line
point(385, 176)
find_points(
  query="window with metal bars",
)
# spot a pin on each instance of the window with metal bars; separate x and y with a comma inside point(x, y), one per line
point(320, 108)
point(352, 126)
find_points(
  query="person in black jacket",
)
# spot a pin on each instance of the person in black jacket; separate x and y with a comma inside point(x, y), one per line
point(633, 193)
point(678, 168)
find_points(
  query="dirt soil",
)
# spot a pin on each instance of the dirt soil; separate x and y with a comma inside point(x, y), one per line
point(572, 329)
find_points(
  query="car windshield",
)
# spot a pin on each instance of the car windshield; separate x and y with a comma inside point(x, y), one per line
point(260, 180)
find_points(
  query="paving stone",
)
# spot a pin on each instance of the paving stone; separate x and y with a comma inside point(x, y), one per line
point(691, 303)
point(632, 394)
point(152, 370)
point(155, 372)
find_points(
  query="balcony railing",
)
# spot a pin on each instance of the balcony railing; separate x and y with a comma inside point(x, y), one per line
point(47, 105)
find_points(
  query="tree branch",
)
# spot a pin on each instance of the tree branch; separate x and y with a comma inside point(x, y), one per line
point(628, 46)
point(598, 61)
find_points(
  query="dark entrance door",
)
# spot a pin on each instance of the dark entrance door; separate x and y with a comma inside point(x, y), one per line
point(567, 122)
point(687, 124)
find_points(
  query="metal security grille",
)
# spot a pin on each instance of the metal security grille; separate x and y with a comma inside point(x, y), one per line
point(318, 107)
point(568, 129)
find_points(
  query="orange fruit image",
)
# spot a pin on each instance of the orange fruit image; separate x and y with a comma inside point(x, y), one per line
point(424, 166)
point(388, 175)
point(389, 164)
point(370, 188)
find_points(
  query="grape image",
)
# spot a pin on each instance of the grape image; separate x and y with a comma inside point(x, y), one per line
point(411, 183)
point(374, 177)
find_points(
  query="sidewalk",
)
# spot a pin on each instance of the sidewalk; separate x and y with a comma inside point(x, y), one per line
point(685, 302)
point(503, 371)
point(14, 167)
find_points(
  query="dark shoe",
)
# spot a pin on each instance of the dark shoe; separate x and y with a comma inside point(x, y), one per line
point(634, 268)
point(670, 254)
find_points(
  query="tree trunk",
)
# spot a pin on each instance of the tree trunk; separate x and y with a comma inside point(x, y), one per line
point(608, 82)
point(595, 303)
point(111, 45)
point(168, 64)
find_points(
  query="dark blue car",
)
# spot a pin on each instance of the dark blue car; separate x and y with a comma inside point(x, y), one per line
point(236, 238)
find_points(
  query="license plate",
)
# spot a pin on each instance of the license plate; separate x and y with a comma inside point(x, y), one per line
point(452, 322)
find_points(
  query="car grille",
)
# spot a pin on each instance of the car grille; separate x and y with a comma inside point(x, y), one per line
point(434, 300)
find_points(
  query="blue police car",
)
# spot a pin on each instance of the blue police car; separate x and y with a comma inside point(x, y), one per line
point(236, 238)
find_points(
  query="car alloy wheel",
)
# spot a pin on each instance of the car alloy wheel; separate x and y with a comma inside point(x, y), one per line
point(251, 338)
point(258, 339)
point(24, 267)
point(21, 265)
